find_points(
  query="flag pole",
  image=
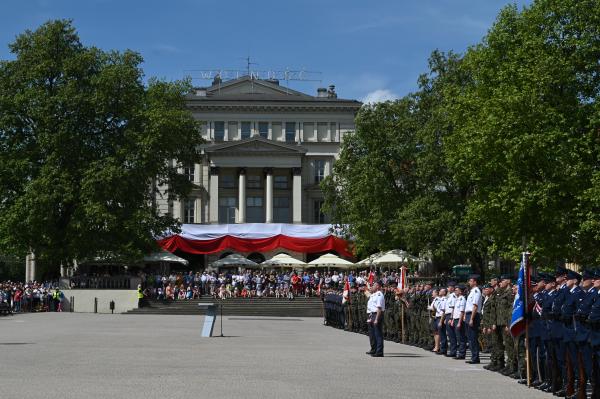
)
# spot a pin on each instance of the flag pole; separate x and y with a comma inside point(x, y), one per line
point(526, 306)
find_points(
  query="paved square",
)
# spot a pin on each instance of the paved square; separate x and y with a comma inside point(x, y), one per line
point(72, 355)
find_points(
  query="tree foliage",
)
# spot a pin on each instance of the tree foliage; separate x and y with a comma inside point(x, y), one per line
point(504, 145)
point(82, 142)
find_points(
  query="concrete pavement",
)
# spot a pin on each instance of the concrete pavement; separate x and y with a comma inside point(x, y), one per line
point(74, 355)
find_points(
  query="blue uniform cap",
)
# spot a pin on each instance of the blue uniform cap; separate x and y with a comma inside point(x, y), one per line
point(588, 275)
point(573, 275)
point(474, 276)
point(560, 271)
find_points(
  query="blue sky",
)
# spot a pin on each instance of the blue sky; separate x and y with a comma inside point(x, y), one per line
point(369, 49)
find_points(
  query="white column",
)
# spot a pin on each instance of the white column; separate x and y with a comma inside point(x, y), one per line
point(269, 195)
point(63, 270)
point(32, 267)
point(270, 134)
point(177, 214)
point(226, 131)
point(27, 267)
point(297, 195)
point(214, 195)
point(242, 196)
point(198, 210)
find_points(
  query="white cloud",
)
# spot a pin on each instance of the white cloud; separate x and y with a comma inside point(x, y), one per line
point(379, 95)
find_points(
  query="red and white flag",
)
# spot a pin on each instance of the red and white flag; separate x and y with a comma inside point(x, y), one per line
point(371, 277)
point(346, 294)
point(402, 278)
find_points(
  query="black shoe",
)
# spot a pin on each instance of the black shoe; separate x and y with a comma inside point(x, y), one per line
point(561, 392)
point(506, 371)
point(450, 355)
point(522, 382)
point(498, 367)
point(488, 366)
point(377, 355)
point(440, 353)
point(472, 362)
point(536, 383)
point(369, 353)
point(459, 358)
point(515, 376)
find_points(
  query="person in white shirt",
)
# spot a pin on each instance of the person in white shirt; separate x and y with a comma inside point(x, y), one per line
point(439, 322)
point(457, 322)
point(473, 318)
point(375, 309)
point(433, 308)
point(448, 310)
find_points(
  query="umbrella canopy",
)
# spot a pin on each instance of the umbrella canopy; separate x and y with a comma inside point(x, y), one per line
point(370, 259)
point(283, 260)
point(234, 260)
point(331, 260)
point(164, 256)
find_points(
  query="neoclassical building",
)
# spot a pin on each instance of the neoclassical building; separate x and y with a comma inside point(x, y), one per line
point(268, 148)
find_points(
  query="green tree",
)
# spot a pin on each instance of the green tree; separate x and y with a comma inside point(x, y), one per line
point(526, 129)
point(83, 141)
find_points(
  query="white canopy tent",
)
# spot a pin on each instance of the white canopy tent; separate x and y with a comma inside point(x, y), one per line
point(164, 256)
point(283, 260)
point(235, 260)
point(331, 260)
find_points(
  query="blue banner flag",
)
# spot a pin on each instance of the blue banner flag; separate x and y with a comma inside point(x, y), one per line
point(517, 321)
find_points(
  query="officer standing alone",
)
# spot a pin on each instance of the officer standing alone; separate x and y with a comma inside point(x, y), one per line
point(375, 309)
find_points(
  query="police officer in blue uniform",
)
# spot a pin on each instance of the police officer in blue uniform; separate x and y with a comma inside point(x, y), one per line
point(573, 296)
point(594, 337)
point(582, 333)
point(556, 327)
point(536, 332)
point(545, 300)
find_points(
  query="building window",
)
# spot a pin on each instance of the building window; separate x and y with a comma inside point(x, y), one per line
point(226, 181)
point(280, 182)
point(318, 215)
point(219, 131)
point(188, 172)
point(227, 210)
point(253, 181)
point(319, 170)
point(255, 210)
point(263, 129)
point(246, 130)
point(290, 132)
point(189, 206)
point(281, 209)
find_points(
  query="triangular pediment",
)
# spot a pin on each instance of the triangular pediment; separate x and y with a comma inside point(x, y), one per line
point(255, 145)
point(247, 86)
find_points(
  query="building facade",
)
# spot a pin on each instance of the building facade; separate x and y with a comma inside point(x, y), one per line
point(268, 148)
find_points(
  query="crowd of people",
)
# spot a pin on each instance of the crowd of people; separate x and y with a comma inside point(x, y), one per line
point(563, 324)
point(245, 284)
point(16, 297)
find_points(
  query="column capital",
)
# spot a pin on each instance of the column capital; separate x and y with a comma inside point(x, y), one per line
point(268, 171)
point(241, 171)
point(296, 171)
point(214, 170)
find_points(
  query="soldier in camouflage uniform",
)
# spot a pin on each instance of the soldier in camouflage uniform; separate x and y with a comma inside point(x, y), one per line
point(489, 321)
point(504, 306)
point(486, 321)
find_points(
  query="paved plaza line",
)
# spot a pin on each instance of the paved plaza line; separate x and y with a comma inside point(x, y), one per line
point(117, 356)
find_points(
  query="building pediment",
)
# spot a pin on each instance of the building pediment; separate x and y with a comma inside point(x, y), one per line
point(247, 86)
point(255, 146)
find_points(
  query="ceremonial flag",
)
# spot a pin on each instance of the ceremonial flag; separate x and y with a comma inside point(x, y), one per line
point(402, 279)
point(517, 322)
point(346, 294)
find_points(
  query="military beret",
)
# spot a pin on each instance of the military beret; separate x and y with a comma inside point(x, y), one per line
point(487, 286)
point(573, 275)
point(506, 277)
point(547, 278)
point(560, 271)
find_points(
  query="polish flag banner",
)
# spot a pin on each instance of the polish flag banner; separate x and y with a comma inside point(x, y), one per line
point(402, 278)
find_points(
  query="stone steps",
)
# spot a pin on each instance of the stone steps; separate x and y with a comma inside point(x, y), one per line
point(273, 307)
